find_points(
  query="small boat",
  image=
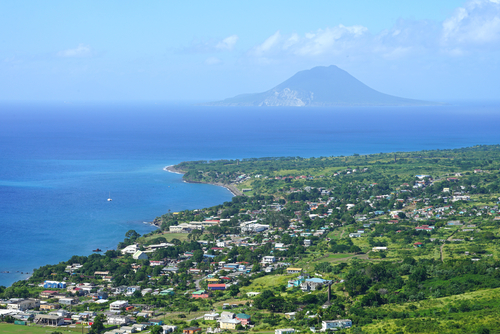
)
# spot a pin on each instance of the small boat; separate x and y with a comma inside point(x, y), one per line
point(97, 250)
point(109, 198)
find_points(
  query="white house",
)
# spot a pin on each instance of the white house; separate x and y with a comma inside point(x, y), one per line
point(211, 316)
point(268, 259)
point(331, 324)
point(117, 305)
point(284, 331)
point(131, 249)
point(118, 319)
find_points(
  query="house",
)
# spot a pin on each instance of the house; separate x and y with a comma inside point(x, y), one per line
point(68, 301)
point(354, 235)
point(331, 324)
point(140, 327)
point(48, 319)
point(168, 328)
point(202, 294)
point(290, 315)
point(211, 316)
point(296, 282)
point(131, 249)
point(229, 323)
point(118, 319)
point(54, 285)
point(417, 244)
point(284, 331)
point(216, 286)
point(378, 249)
point(167, 292)
point(307, 242)
point(128, 329)
point(191, 330)
point(227, 315)
point(156, 322)
point(268, 259)
point(48, 307)
point(243, 318)
point(23, 304)
point(47, 294)
point(268, 269)
point(140, 255)
point(293, 270)
point(118, 305)
point(312, 284)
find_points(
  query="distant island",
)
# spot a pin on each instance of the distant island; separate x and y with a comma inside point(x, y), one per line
point(318, 87)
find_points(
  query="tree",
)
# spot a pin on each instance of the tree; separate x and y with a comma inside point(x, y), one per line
point(132, 235)
point(98, 324)
point(156, 329)
point(355, 249)
point(234, 290)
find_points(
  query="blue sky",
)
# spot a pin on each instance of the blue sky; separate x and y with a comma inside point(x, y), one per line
point(209, 50)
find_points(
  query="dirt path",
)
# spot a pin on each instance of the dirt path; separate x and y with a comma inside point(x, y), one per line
point(442, 246)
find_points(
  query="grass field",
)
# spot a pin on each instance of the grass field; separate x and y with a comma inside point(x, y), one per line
point(168, 236)
point(440, 317)
point(15, 329)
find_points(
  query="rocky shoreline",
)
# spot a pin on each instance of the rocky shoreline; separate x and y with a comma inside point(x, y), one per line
point(235, 191)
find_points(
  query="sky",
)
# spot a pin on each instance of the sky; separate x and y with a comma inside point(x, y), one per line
point(159, 50)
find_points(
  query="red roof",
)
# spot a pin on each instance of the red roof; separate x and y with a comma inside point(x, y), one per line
point(225, 278)
point(216, 248)
point(418, 243)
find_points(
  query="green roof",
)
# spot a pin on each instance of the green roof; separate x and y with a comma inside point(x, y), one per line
point(242, 316)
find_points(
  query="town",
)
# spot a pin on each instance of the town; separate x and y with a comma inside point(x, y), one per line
point(379, 243)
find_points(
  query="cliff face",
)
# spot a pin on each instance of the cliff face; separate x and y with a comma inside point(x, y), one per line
point(319, 86)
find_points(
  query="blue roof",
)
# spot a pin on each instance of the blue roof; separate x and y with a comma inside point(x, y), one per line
point(316, 280)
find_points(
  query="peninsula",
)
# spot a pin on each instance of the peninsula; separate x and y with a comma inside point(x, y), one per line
point(319, 87)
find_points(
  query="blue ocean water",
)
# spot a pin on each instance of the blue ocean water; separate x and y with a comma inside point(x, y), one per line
point(59, 162)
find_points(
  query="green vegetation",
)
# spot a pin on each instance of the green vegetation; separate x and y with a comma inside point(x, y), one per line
point(408, 240)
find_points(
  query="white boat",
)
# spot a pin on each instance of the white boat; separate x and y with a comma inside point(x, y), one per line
point(109, 198)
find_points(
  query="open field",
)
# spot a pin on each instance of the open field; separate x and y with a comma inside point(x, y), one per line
point(18, 329)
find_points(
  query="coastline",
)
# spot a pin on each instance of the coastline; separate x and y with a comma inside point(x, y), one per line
point(235, 191)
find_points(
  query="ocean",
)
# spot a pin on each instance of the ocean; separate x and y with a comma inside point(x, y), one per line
point(59, 162)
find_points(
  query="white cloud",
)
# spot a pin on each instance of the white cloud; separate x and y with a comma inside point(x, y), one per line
point(227, 43)
point(212, 46)
point(268, 44)
point(475, 24)
point(81, 50)
point(213, 61)
point(471, 28)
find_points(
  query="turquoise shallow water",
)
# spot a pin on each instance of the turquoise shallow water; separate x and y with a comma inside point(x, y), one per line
point(59, 162)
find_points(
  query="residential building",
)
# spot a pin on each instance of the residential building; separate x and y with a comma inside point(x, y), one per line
point(227, 315)
point(118, 305)
point(229, 323)
point(268, 259)
point(118, 319)
point(191, 330)
point(216, 286)
point(294, 270)
point(168, 328)
point(211, 316)
point(140, 255)
point(284, 331)
point(243, 318)
point(331, 324)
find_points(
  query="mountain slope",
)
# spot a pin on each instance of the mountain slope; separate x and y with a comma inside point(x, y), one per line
point(319, 86)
